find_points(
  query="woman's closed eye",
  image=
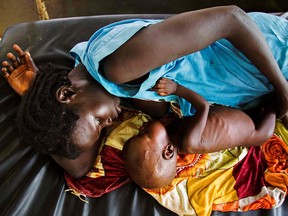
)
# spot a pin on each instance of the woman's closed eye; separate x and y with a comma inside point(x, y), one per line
point(147, 134)
point(103, 122)
point(143, 131)
point(98, 121)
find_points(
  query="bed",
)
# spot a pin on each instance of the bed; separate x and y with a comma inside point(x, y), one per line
point(32, 183)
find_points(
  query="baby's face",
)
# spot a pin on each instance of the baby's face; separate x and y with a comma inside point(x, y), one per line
point(153, 136)
point(153, 132)
point(151, 158)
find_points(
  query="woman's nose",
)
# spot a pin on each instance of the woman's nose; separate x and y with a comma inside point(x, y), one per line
point(108, 122)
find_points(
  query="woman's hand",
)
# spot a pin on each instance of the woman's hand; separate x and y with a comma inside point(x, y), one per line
point(19, 72)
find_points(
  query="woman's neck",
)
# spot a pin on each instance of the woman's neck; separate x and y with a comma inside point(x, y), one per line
point(79, 73)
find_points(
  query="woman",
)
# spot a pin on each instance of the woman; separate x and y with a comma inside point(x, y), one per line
point(145, 47)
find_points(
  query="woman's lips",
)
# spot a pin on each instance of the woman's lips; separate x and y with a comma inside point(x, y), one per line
point(118, 109)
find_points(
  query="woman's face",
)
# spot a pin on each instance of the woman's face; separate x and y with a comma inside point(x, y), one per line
point(97, 109)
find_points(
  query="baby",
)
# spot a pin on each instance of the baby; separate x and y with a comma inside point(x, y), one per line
point(151, 156)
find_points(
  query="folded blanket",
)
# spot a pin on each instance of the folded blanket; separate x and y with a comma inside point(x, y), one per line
point(236, 179)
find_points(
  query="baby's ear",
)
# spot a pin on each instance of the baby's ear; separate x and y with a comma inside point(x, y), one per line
point(168, 151)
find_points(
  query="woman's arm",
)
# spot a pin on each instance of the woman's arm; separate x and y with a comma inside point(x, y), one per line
point(189, 32)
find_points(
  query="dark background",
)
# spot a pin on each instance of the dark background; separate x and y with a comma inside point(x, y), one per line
point(17, 11)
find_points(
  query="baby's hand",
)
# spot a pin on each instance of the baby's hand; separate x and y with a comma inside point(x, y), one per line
point(19, 72)
point(165, 87)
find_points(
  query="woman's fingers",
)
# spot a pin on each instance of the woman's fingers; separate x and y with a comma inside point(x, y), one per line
point(30, 63)
point(20, 52)
point(13, 60)
point(5, 73)
point(14, 63)
point(8, 66)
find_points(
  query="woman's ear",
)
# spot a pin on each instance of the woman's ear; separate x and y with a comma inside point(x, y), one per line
point(64, 93)
point(168, 152)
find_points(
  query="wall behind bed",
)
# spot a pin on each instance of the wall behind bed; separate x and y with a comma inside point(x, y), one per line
point(18, 11)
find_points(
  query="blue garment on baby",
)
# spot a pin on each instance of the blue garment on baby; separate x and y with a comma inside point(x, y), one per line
point(220, 73)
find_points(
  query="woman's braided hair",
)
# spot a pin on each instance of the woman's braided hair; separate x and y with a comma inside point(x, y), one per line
point(45, 123)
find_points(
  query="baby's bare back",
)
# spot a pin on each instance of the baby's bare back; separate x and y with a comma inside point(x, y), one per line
point(227, 127)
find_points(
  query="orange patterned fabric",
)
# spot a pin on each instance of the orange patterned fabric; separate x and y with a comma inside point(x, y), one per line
point(276, 154)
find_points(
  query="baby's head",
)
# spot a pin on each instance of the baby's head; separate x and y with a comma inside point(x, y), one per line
point(150, 157)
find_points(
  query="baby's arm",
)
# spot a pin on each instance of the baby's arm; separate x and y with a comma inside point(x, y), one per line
point(20, 73)
point(193, 129)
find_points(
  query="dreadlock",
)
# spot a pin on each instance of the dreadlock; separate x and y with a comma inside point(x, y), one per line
point(45, 123)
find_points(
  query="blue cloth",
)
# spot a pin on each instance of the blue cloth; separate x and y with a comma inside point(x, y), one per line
point(220, 73)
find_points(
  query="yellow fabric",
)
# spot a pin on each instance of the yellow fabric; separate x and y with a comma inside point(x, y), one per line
point(281, 131)
point(126, 130)
point(203, 191)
